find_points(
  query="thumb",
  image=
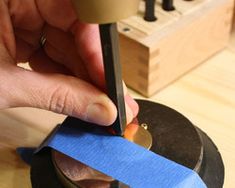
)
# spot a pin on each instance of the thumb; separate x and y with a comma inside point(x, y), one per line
point(57, 93)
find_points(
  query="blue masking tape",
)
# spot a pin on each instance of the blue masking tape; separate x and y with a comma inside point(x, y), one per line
point(119, 158)
point(26, 154)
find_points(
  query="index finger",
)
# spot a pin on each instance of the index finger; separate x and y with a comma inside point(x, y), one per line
point(61, 14)
point(57, 13)
point(25, 15)
point(88, 44)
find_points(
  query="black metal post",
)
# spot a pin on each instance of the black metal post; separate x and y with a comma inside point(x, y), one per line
point(150, 11)
point(168, 5)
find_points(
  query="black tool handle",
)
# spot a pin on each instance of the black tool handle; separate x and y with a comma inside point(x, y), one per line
point(113, 76)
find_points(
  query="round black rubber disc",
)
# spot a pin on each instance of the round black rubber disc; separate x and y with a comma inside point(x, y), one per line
point(174, 137)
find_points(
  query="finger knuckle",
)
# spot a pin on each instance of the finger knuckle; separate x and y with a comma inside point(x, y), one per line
point(60, 100)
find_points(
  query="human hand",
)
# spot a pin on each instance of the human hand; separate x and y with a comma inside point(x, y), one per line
point(67, 76)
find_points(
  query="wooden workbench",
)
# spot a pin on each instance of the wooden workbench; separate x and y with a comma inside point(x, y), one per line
point(206, 96)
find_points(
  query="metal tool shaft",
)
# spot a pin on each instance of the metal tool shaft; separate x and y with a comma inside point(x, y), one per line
point(113, 76)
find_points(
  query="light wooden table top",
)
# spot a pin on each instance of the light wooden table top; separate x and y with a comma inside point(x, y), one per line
point(206, 96)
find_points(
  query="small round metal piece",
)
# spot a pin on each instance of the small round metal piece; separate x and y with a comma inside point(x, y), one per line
point(139, 135)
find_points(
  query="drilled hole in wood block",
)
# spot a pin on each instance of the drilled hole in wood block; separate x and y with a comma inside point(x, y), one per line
point(126, 29)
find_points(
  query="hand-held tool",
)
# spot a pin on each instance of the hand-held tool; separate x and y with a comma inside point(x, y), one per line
point(106, 13)
point(112, 67)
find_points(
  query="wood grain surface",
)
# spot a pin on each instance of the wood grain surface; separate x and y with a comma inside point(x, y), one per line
point(206, 96)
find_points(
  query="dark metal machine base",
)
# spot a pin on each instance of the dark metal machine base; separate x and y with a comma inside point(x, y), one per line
point(174, 137)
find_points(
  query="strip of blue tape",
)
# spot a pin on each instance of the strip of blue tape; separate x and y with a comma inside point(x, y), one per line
point(119, 158)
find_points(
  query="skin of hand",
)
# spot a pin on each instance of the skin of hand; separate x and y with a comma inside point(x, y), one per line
point(67, 74)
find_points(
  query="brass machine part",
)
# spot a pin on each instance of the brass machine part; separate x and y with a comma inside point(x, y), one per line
point(105, 11)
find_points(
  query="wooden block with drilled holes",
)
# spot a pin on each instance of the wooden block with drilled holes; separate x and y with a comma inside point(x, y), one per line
point(154, 54)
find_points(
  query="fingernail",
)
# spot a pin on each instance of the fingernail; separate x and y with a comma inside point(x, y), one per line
point(129, 114)
point(98, 114)
point(132, 104)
